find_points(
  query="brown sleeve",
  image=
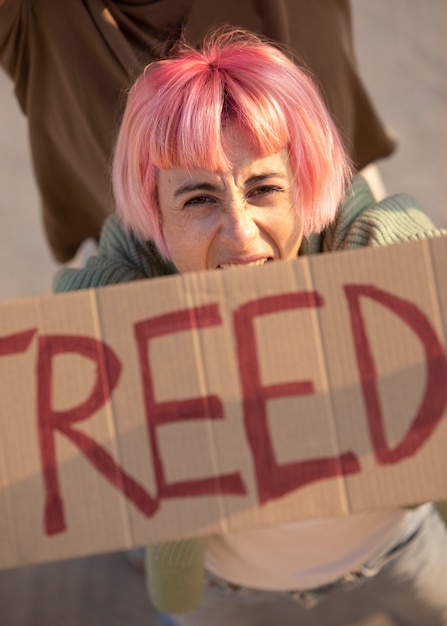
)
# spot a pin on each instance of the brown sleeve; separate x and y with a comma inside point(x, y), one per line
point(13, 25)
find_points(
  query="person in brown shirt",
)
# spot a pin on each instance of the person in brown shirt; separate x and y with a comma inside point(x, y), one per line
point(71, 63)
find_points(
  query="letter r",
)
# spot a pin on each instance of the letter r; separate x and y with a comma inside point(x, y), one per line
point(50, 420)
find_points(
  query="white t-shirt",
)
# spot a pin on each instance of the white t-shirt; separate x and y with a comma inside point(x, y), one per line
point(301, 555)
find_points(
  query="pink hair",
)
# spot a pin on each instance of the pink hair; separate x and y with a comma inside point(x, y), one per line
point(178, 108)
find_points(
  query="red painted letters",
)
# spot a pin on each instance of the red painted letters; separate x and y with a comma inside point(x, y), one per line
point(275, 480)
point(433, 404)
point(50, 421)
point(14, 344)
point(158, 413)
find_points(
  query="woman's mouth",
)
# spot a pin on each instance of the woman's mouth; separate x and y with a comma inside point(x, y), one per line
point(241, 263)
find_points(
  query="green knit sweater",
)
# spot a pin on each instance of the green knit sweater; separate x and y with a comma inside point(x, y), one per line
point(175, 569)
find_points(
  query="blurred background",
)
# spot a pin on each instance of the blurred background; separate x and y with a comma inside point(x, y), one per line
point(401, 49)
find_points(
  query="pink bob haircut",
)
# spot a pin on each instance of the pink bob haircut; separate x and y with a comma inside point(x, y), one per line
point(178, 108)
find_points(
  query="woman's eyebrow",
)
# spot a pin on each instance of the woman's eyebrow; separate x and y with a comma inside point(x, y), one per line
point(190, 187)
point(259, 178)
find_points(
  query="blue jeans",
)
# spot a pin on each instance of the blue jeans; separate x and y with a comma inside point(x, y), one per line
point(407, 582)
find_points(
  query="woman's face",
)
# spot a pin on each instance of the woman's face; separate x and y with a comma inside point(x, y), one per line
point(245, 216)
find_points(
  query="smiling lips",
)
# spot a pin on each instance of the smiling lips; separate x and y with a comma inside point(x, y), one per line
point(242, 263)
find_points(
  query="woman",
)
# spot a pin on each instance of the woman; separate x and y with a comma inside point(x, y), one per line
point(227, 157)
point(70, 61)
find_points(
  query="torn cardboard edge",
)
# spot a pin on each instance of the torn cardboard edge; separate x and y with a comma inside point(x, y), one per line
point(218, 401)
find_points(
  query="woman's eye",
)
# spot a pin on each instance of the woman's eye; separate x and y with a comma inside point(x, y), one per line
point(265, 190)
point(198, 200)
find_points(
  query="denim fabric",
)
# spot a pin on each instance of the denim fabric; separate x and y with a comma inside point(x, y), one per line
point(407, 581)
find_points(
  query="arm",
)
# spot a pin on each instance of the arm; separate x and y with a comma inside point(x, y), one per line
point(174, 574)
point(14, 31)
point(121, 258)
point(363, 222)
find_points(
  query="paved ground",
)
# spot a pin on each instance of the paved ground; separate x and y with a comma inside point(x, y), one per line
point(401, 50)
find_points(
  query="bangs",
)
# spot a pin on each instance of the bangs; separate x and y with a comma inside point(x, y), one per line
point(189, 134)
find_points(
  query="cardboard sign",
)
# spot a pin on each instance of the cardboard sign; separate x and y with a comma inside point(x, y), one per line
point(219, 401)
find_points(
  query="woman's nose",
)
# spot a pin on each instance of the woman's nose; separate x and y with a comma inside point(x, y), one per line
point(238, 227)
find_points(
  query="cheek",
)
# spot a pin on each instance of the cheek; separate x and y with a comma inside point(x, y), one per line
point(174, 241)
point(187, 247)
point(290, 235)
